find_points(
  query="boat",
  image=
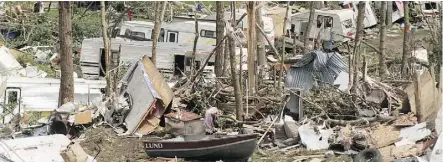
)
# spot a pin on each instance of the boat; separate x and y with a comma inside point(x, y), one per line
point(210, 148)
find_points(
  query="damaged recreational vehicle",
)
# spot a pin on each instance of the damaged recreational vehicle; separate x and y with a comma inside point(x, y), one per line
point(172, 59)
point(370, 18)
point(24, 95)
point(340, 22)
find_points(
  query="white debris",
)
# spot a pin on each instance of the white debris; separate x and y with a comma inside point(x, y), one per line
point(67, 108)
point(313, 140)
point(342, 80)
point(40, 148)
point(413, 134)
point(436, 155)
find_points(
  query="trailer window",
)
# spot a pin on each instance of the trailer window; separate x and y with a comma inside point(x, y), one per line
point(430, 6)
point(12, 97)
point(134, 34)
point(172, 37)
point(327, 20)
point(207, 33)
point(161, 36)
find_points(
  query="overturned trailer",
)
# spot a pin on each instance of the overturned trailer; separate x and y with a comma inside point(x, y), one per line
point(148, 94)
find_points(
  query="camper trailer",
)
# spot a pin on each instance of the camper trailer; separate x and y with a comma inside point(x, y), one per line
point(172, 59)
point(24, 95)
point(181, 33)
point(370, 18)
point(340, 22)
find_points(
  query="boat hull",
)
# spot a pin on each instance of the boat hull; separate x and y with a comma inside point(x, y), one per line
point(227, 148)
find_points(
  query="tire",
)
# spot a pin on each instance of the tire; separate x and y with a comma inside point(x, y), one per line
point(368, 155)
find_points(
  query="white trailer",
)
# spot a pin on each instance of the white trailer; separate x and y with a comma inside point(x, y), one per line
point(370, 18)
point(181, 33)
point(340, 22)
point(170, 56)
point(22, 94)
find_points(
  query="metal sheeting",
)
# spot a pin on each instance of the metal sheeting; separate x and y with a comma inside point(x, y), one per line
point(317, 64)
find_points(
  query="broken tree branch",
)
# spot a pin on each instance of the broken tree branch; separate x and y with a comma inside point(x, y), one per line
point(269, 42)
point(379, 118)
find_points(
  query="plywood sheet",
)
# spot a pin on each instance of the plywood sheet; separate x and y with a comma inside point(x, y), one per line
point(158, 82)
point(429, 105)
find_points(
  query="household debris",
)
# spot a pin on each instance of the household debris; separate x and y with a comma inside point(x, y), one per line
point(146, 95)
point(42, 148)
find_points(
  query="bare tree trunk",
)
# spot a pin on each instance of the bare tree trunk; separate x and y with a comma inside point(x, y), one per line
point(220, 33)
point(162, 15)
point(66, 93)
point(356, 52)
point(308, 28)
point(261, 59)
point(294, 44)
point(236, 83)
point(49, 6)
point(194, 49)
point(252, 47)
point(226, 58)
point(156, 33)
point(381, 57)
point(283, 52)
point(389, 14)
point(406, 45)
point(107, 48)
point(261, 53)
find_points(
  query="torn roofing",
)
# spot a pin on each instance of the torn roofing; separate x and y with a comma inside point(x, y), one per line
point(314, 65)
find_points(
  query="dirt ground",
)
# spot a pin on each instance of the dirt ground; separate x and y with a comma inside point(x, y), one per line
point(104, 140)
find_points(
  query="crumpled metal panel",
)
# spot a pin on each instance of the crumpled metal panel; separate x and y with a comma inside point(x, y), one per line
point(317, 64)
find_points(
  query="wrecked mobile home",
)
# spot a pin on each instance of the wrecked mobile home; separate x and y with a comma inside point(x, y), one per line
point(172, 59)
